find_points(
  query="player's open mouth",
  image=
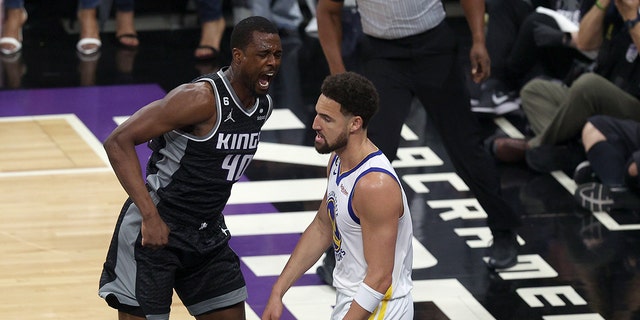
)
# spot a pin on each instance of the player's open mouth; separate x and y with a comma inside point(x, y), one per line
point(265, 79)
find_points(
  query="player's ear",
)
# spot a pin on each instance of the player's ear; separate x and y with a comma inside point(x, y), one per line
point(356, 123)
point(237, 55)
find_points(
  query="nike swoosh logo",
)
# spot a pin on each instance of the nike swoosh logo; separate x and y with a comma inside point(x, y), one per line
point(499, 100)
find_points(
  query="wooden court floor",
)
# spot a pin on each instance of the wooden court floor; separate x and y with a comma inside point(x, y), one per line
point(59, 205)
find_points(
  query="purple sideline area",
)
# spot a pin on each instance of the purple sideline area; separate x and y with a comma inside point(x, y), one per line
point(96, 107)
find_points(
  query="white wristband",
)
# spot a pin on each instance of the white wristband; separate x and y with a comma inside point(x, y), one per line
point(368, 298)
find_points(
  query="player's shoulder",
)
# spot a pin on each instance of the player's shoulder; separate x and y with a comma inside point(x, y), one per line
point(376, 179)
point(197, 90)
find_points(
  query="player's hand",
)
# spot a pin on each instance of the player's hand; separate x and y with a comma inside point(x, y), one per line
point(273, 310)
point(480, 63)
point(155, 233)
point(628, 9)
point(633, 169)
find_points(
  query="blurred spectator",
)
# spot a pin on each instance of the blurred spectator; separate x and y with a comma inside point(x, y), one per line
point(613, 152)
point(524, 44)
point(557, 113)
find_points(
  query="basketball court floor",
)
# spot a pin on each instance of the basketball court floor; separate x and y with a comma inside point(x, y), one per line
point(60, 199)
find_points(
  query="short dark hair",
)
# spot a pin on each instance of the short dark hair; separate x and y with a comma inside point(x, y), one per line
point(242, 33)
point(355, 94)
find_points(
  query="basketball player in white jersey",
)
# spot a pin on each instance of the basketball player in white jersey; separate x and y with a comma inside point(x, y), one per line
point(364, 213)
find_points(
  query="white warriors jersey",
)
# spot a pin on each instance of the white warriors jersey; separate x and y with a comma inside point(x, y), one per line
point(351, 266)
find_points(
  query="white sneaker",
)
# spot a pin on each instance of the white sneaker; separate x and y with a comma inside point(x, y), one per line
point(497, 103)
point(312, 28)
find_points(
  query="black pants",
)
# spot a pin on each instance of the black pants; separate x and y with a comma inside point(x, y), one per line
point(505, 18)
point(624, 136)
point(426, 66)
point(527, 60)
point(515, 56)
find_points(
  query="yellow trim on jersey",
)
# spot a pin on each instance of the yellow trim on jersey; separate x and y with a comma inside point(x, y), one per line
point(381, 310)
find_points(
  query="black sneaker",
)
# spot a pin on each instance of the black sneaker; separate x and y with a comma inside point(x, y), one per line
point(548, 158)
point(584, 173)
point(625, 199)
point(598, 197)
point(506, 149)
point(497, 102)
point(594, 196)
point(503, 252)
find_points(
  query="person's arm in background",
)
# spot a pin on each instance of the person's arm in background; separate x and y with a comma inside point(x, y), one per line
point(474, 11)
point(628, 9)
point(632, 169)
point(591, 32)
point(329, 15)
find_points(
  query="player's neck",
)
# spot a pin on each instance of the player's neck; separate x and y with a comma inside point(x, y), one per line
point(355, 151)
point(247, 98)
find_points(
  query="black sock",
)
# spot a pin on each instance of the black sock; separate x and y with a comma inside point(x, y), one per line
point(608, 163)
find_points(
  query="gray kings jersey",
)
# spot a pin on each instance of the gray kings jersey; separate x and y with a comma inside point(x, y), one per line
point(192, 176)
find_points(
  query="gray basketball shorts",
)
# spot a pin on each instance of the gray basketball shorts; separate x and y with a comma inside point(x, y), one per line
point(197, 262)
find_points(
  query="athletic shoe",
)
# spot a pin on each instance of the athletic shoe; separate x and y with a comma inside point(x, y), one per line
point(503, 252)
point(548, 158)
point(584, 173)
point(506, 149)
point(325, 271)
point(312, 28)
point(598, 197)
point(594, 196)
point(496, 102)
point(325, 275)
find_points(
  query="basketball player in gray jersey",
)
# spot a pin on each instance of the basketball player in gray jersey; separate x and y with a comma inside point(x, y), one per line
point(171, 233)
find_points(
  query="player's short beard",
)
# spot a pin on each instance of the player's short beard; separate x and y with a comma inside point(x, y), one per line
point(340, 143)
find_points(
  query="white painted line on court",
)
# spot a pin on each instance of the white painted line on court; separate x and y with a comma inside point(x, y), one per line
point(283, 119)
point(451, 297)
point(292, 154)
point(88, 137)
point(407, 134)
point(508, 128)
point(293, 190)
point(268, 223)
point(612, 224)
point(272, 265)
point(83, 132)
point(34, 173)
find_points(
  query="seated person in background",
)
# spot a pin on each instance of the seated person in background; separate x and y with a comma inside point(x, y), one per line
point(90, 42)
point(209, 14)
point(557, 113)
point(14, 18)
point(613, 152)
point(524, 44)
point(213, 26)
point(286, 14)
